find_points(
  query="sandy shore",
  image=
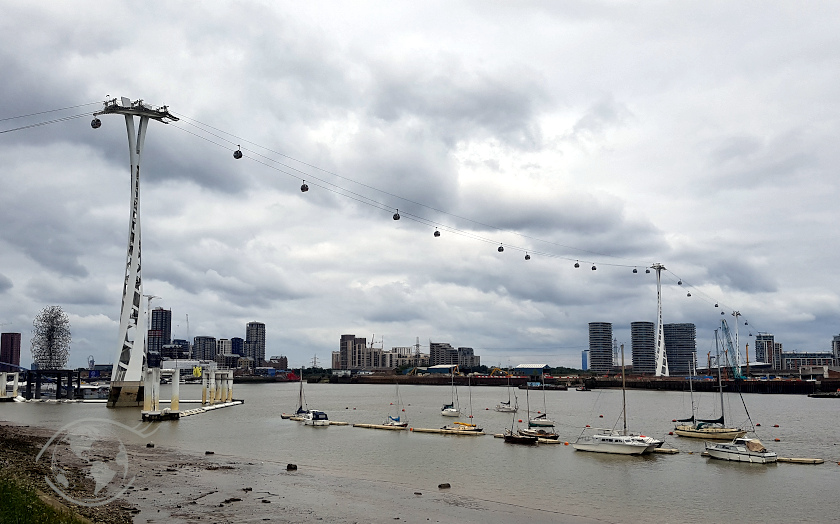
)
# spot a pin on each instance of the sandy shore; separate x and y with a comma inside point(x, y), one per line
point(170, 486)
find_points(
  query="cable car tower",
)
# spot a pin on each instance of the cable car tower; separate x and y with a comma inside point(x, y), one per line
point(661, 356)
point(130, 360)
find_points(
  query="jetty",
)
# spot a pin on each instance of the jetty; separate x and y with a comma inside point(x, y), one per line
point(380, 426)
point(444, 431)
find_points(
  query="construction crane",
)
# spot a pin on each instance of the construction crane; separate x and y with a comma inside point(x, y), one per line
point(730, 351)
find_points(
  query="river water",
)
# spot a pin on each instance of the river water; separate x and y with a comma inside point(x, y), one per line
point(659, 488)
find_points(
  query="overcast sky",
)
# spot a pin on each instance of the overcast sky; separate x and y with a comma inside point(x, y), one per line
point(701, 135)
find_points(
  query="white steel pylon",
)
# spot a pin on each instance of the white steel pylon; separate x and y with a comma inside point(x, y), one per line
point(661, 356)
point(130, 357)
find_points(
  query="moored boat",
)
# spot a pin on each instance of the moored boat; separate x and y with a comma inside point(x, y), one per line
point(741, 449)
point(313, 417)
point(709, 429)
point(452, 409)
point(613, 441)
point(463, 426)
point(516, 437)
point(540, 433)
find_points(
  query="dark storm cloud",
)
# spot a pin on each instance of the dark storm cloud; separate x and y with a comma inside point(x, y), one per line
point(69, 291)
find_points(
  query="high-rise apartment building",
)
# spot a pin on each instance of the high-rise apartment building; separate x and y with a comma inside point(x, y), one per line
point(680, 347)
point(442, 353)
point(223, 346)
point(351, 350)
point(600, 347)
point(768, 350)
point(204, 348)
point(643, 346)
point(255, 342)
point(237, 346)
point(160, 332)
point(9, 352)
point(467, 358)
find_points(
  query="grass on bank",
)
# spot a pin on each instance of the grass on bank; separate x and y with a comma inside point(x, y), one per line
point(20, 505)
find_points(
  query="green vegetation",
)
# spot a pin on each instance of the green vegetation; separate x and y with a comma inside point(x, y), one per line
point(21, 505)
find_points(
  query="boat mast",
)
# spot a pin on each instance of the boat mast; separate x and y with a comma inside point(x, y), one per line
point(720, 383)
point(691, 385)
point(623, 393)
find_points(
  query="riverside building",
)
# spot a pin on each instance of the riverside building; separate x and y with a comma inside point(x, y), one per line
point(643, 346)
point(9, 351)
point(600, 347)
point(255, 342)
point(680, 347)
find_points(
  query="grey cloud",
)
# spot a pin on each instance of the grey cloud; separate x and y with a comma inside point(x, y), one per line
point(5, 283)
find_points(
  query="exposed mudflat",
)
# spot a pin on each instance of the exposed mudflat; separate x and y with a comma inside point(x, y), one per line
point(170, 486)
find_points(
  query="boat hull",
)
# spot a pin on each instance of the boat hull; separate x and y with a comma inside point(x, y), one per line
point(690, 431)
point(615, 443)
point(450, 412)
point(518, 438)
point(735, 452)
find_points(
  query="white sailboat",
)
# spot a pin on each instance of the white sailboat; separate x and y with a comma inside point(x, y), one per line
point(452, 409)
point(314, 417)
point(400, 419)
point(710, 429)
point(541, 420)
point(506, 407)
point(301, 406)
point(465, 426)
point(612, 440)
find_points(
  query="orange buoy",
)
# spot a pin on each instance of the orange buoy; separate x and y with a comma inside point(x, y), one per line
point(520, 421)
point(673, 420)
point(586, 425)
point(757, 425)
point(777, 439)
point(411, 429)
point(670, 432)
point(567, 443)
point(601, 416)
point(775, 425)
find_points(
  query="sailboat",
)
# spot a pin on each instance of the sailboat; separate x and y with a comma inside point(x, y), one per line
point(311, 417)
point(505, 407)
point(452, 409)
point(710, 429)
point(540, 426)
point(400, 420)
point(516, 436)
point(542, 419)
point(612, 440)
point(465, 426)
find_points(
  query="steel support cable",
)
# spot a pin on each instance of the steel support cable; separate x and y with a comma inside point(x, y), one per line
point(348, 193)
point(379, 205)
point(48, 122)
point(490, 226)
point(48, 111)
